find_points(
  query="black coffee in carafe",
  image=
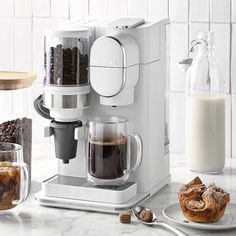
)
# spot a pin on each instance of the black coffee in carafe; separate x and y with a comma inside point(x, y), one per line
point(107, 158)
point(109, 151)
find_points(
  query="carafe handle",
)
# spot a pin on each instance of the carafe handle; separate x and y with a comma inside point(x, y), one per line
point(139, 144)
point(24, 182)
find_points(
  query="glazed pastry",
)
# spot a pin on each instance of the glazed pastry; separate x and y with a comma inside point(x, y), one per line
point(202, 204)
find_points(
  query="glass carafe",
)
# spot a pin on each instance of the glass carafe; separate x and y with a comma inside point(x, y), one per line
point(205, 110)
point(109, 152)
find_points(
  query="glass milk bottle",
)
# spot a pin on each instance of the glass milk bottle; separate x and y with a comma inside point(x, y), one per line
point(205, 110)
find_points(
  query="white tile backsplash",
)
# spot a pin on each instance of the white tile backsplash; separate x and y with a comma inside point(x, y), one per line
point(78, 8)
point(233, 125)
point(233, 59)
point(98, 8)
point(199, 10)
point(220, 10)
point(138, 8)
point(7, 8)
point(23, 8)
point(233, 10)
point(6, 44)
point(117, 7)
point(178, 10)
point(23, 45)
point(177, 122)
point(178, 48)
point(158, 8)
point(41, 8)
point(222, 48)
point(60, 8)
point(58, 21)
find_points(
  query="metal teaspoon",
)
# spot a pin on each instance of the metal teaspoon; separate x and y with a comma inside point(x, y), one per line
point(136, 212)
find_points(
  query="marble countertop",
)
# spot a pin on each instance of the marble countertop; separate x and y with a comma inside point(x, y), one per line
point(35, 220)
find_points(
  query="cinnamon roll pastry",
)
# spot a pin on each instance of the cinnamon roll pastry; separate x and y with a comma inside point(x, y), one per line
point(202, 204)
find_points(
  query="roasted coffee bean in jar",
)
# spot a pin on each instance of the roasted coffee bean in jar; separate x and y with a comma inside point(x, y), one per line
point(18, 131)
point(67, 66)
point(66, 58)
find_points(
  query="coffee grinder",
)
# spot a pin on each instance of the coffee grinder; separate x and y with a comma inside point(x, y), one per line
point(96, 68)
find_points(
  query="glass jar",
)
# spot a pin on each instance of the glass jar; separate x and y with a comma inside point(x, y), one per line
point(66, 56)
point(15, 121)
point(205, 110)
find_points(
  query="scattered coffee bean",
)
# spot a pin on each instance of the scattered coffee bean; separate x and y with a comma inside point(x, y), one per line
point(146, 215)
point(125, 217)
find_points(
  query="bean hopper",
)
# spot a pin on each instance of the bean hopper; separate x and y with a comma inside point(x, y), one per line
point(126, 75)
point(66, 86)
point(15, 119)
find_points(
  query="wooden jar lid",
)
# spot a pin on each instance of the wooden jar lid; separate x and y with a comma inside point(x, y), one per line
point(12, 80)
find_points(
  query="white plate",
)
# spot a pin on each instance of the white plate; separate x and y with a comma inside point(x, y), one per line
point(228, 221)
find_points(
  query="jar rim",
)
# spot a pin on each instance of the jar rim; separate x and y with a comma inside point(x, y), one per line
point(107, 120)
point(67, 32)
point(10, 147)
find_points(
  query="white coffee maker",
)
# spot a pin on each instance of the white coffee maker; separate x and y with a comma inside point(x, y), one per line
point(115, 67)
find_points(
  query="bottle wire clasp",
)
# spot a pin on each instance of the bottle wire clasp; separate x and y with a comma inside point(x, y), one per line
point(186, 62)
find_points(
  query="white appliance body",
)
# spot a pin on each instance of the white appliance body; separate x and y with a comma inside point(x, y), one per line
point(147, 112)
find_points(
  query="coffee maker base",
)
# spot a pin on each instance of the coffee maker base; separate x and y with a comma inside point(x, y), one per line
point(70, 187)
point(97, 206)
